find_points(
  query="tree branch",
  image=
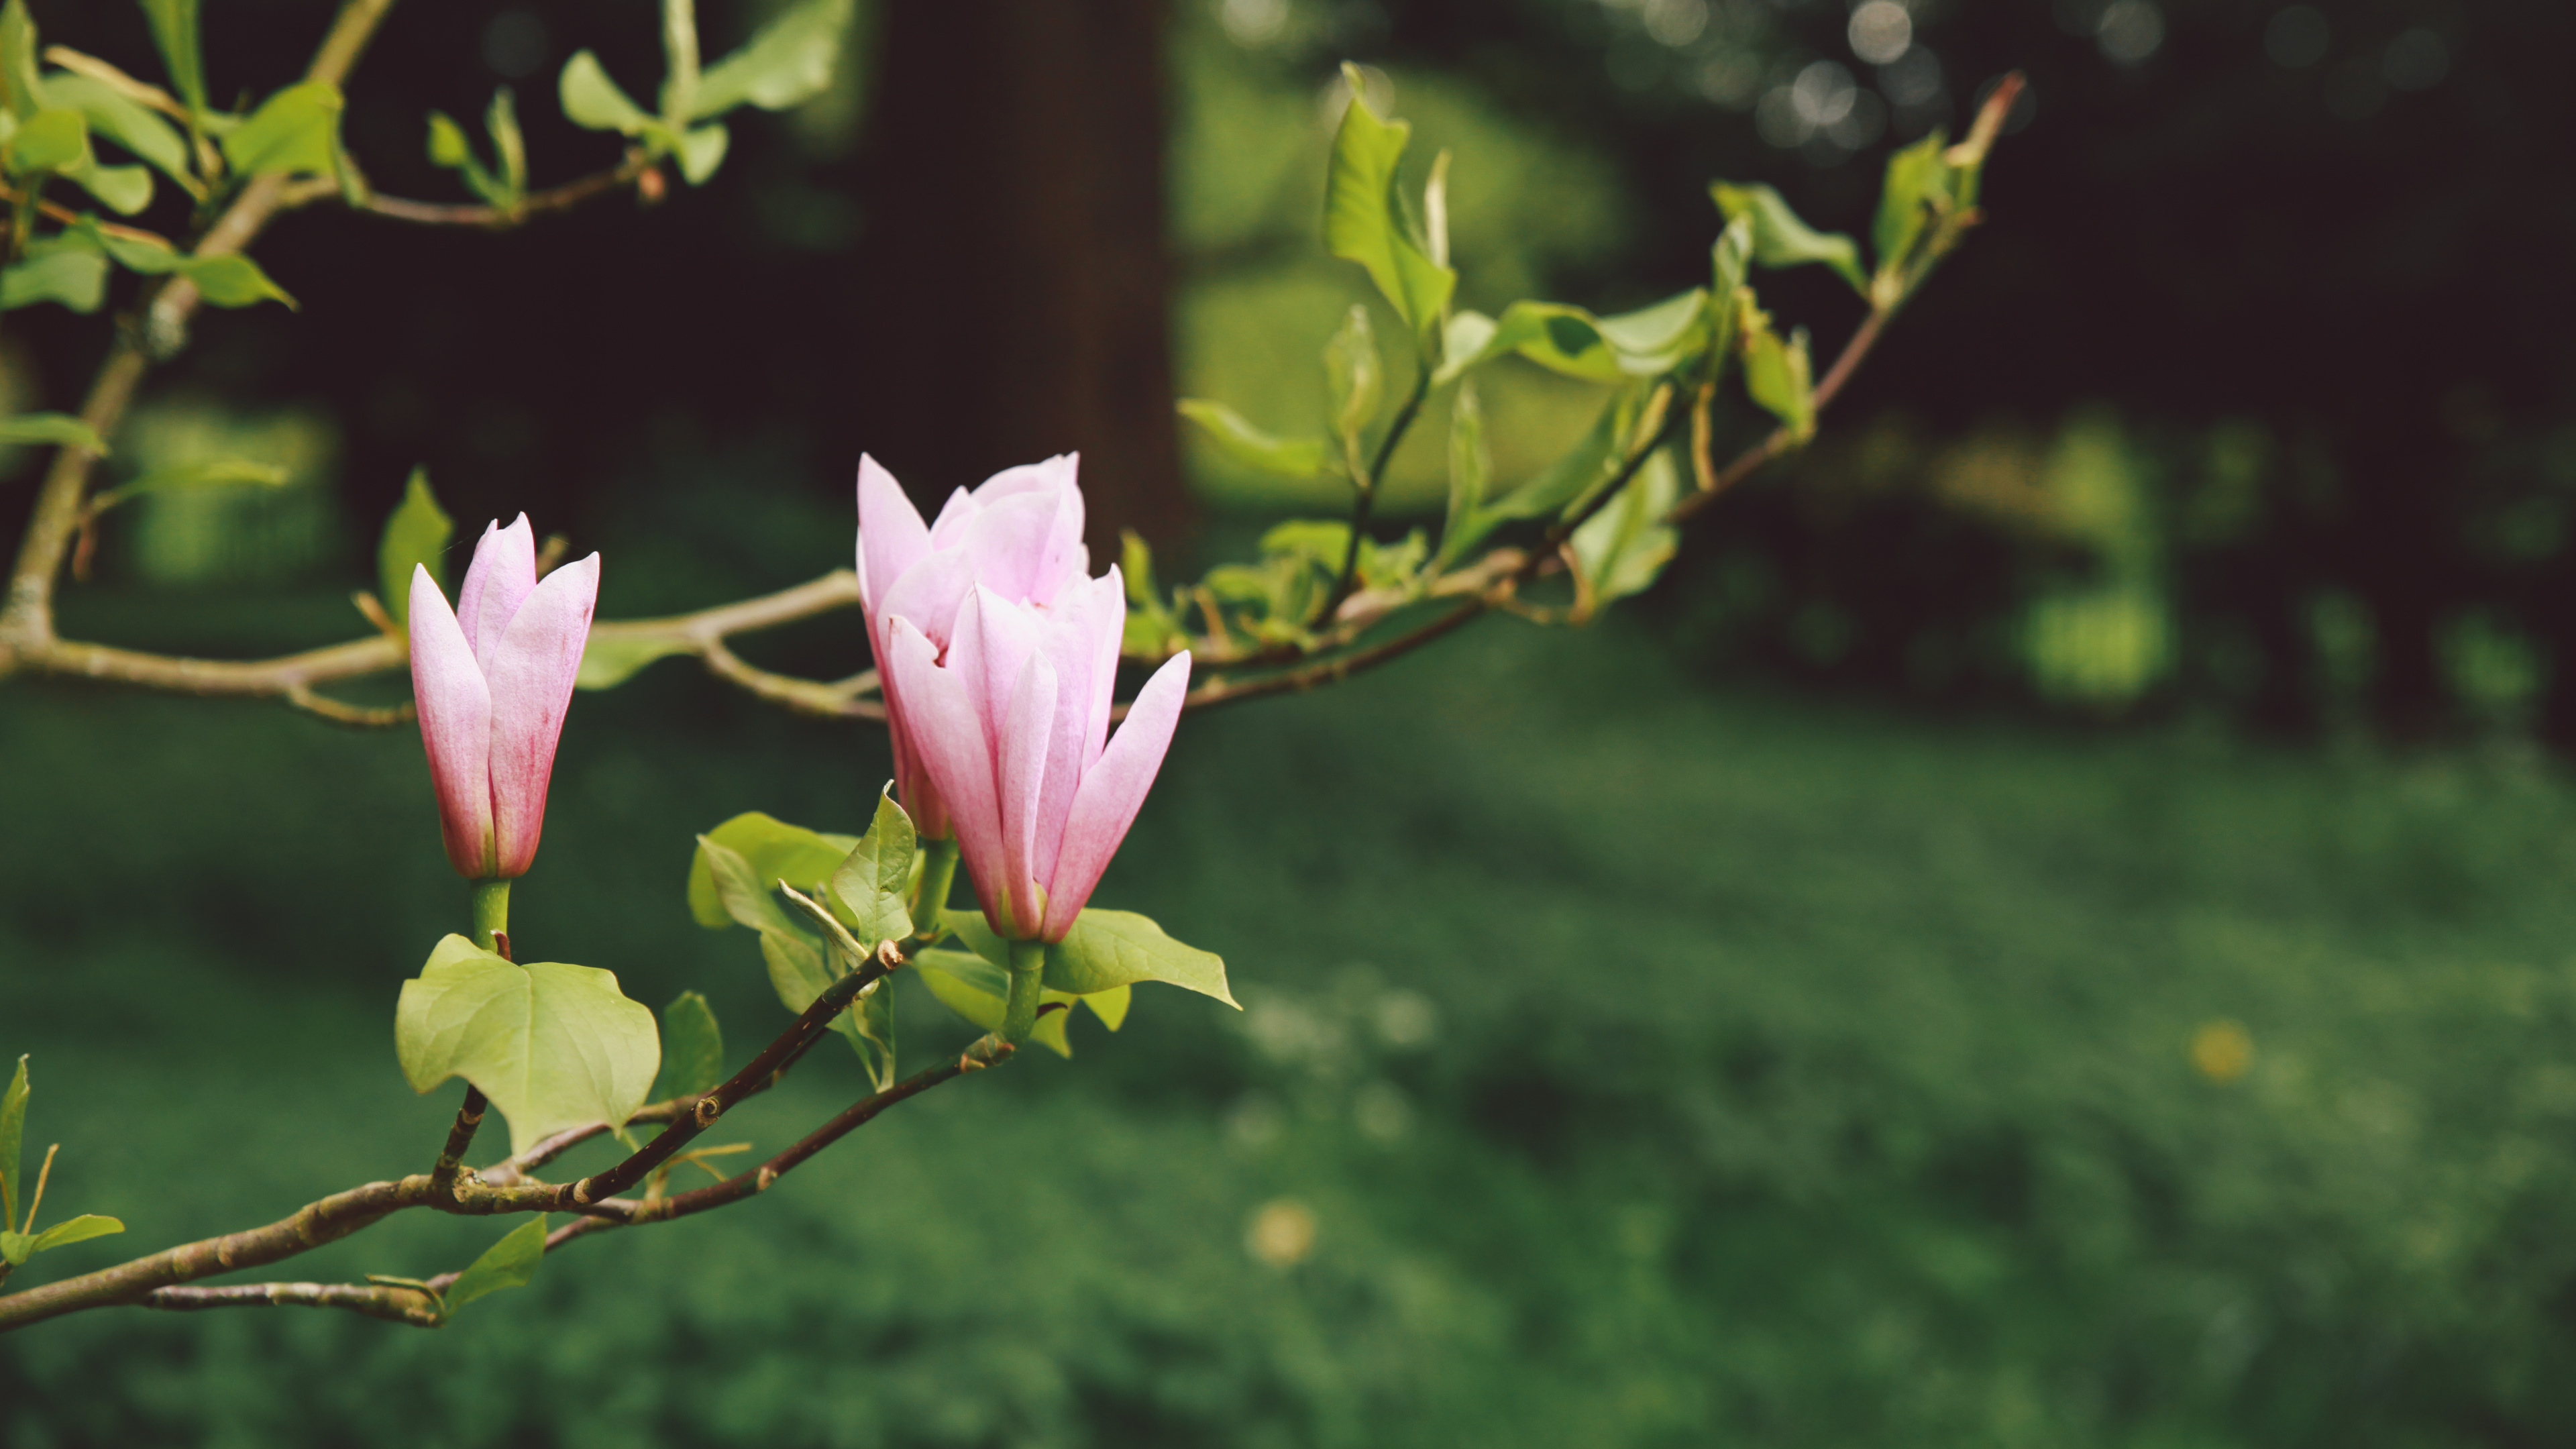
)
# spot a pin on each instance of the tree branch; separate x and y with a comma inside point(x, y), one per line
point(494, 218)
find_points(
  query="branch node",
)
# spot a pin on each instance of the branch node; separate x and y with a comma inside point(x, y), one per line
point(761, 1180)
point(709, 1108)
point(581, 1191)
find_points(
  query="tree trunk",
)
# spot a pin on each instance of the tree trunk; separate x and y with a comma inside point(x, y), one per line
point(1013, 265)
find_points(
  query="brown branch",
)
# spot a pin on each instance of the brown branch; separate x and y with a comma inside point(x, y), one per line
point(496, 218)
point(460, 1137)
point(400, 1305)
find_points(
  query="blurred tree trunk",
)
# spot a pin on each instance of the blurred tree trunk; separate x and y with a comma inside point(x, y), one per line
point(1013, 267)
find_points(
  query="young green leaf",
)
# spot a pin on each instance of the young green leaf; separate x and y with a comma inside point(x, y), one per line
point(1471, 473)
point(1780, 239)
point(787, 62)
point(174, 32)
point(1776, 372)
point(124, 120)
point(75, 277)
point(610, 660)
point(1364, 223)
point(17, 1248)
point(593, 102)
point(26, 94)
point(772, 850)
point(553, 1046)
point(233, 280)
point(744, 891)
point(124, 190)
point(871, 883)
point(75, 1230)
point(13, 1129)
point(1619, 550)
point(1356, 379)
point(701, 152)
point(692, 1048)
point(1918, 180)
point(293, 130)
point(1238, 441)
point(58, 428)
point(501, 119)
point(977, 990)
point(416, 534)
point(54, 139)
point(1592, 460)
point(509, 1263)
point(1109, 949)
point(208, 473)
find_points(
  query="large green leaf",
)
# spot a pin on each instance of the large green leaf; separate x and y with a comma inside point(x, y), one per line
point(509, 1263)
point(58, 428)
point(692, 1048)
point(1364, 221)
point(1781, 239)
point(126, 121)
point(873, 881)
point(13, 1129)
point(1109, 949)
point(74, 276)
point(771, 850)
point(593, 102)
point(174, 31)
point(787, 62)
point(553, 1046)
point(76, 1230)
point(1569, 340)
point(1619, 550)
point(744, 891)
point(53, 139)
point(416, 534)
point(978, 990)
point(296, 129)
point(1238, 441)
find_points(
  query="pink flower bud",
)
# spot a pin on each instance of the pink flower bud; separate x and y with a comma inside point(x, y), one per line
point(1019, 534)
point(492, 679)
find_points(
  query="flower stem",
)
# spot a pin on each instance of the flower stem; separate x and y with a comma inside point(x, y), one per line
point(491, 914)
point(1028, 976)
point(938, 874)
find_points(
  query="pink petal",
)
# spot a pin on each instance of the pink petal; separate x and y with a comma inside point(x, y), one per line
point(1112, 792)
point(496, 584)
point(1010, 543)
point(994, 640)
point(531, 673)
point(949, 737)
point(455, 727)
point(912, 782)
point(1070, 646)
point(1109, 602)
point(1026, 730)
point(1063, 558)
point(928, 594)
point(954, 515)
point(892, 537)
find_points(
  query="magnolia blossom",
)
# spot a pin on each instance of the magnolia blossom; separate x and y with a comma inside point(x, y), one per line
point(1012, 729)
point(492, 678)
point(1019, 534)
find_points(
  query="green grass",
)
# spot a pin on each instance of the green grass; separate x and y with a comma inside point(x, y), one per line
point(1659, 1063)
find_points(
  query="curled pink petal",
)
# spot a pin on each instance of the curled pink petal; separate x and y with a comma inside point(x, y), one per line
point(892, 537)
point(994, 639)
point(1112, 792)
point(531, 676)
point(1011, 543)
point(496, 584)
point(455, 727)
point(929, 594)
point(949, 736)
point(1023, 734)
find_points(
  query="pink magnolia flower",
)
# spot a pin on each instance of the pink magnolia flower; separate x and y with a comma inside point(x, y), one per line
point(1012, 729)
point(1019, 534)
point(492, 679)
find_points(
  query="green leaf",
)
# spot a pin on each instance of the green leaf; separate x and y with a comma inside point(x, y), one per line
point(1471, 473)
point(174, 31)
point(1917, 180)
point(692, 1048)
point(416, 534)
point(71, 276)
point(744, 891)
point(610, 660)
point(447, 144)
point(147, 256)
point(124, 120)
point(978, 990)
point(1356, 379)
point(1238, 441)
point(293, 130)
point(124, 190)
point(1776, 372)
point(501, 120)
point(17, 1248)
point(509, 1263)
point(552, 1045)
point(1620, 550)
point(233, 280)
point(771, 850)
point(75, 1230)
point(13, 1129)
point(1464, 344)
point(1780, 239)
point(58, 428)
point(1569, 340)
point(18, 60)
point(1110, 949)
point(798, 973)
point(593, 102)
point(872, 881)
point(1590, 462)
point(1364, 221)
point(701, 152)
point(54, 139)
point(1729, 260)
point(787, 62)
point(210, 473)
point(1652, 341)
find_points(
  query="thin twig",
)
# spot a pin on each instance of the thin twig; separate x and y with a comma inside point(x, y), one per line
point(1367, 489)
point(495, 218)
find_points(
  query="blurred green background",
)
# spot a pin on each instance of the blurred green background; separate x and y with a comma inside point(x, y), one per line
point(2045, 929)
